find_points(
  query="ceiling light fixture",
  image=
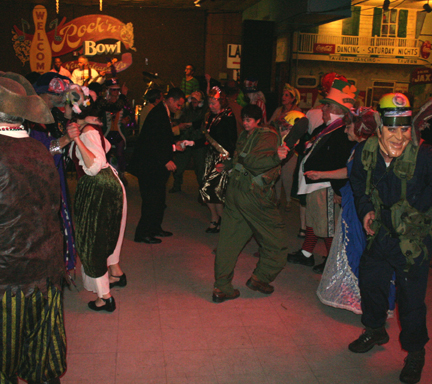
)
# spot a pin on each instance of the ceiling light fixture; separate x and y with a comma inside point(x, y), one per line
point(57, 6)
point(197, 3)
point(100, 5)
point(386, 5)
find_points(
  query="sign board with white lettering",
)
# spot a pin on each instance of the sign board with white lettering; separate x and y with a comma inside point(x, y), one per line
point(381, 51)
point(363, 59)
point(91, 48)
point(421, 76)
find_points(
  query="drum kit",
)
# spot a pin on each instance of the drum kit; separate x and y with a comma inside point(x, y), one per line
point(152, 80)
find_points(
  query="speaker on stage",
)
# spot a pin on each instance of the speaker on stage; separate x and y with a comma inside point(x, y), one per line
point(257, 52)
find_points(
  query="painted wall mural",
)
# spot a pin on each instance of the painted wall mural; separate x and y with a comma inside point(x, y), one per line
point(83, 35)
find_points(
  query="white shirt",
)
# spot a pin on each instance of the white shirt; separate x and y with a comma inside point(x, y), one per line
point(91, 140)
point(315, 117)
point(21, 134)
point(304, 188)
point(78, 76)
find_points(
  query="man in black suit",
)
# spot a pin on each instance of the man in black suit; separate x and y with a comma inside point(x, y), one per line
point(153, 162)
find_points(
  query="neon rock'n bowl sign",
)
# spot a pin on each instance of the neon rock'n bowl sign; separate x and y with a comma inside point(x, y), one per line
point(83, 32)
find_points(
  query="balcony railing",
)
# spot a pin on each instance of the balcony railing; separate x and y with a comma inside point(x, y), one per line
point(307, 41)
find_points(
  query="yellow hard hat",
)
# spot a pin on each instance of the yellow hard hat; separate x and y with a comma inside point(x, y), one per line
point(394, 100)
point(395, 110)
point(292, 116)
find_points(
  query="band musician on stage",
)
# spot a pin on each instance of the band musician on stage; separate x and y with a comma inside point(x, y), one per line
point(84, 74)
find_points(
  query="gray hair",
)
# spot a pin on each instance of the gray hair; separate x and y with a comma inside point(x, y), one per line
point(10, 119)
point(336, 109)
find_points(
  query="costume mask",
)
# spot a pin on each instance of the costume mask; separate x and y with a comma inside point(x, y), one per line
point(393, 140)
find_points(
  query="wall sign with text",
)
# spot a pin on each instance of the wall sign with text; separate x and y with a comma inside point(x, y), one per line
point(233, 56)
point(84, 34)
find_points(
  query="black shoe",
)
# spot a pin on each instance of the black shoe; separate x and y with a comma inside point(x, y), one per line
point(320, 267)
point(412, 370)
point(162, 233)
point(109, 305)
point(174, 190)
point(215, 228)
point(220, 297)
point(257, 285)
point(120, 283)
point(299, 258)
point(368, 339)
point(147, 239)
point(301, 233)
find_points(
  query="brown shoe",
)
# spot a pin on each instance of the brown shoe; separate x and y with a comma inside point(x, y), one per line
point(257, 285)
point(220, 297)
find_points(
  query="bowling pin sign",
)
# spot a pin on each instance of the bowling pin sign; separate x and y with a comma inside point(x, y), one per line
point(40, 50)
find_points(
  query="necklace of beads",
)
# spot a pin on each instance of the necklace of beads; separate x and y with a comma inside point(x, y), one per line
point(12, 128)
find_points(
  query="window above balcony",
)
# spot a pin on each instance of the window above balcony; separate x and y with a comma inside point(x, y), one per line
point(391, 23)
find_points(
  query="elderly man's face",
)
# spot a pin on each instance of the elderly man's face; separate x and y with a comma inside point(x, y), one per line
point(331, 109)
point(393, 140)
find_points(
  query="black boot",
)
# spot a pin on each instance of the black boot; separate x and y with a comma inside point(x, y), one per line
point(412, 370)
point(319, 269)
point(368, 339)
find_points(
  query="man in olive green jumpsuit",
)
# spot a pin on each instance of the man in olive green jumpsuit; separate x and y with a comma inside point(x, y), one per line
point(250, 209)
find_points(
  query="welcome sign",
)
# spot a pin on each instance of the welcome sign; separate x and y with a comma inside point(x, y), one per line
point(82, 34)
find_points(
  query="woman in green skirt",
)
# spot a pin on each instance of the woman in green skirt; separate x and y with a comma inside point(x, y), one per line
point(100, 209)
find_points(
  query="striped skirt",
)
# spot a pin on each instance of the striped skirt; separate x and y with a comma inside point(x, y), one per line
point(32, 338)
